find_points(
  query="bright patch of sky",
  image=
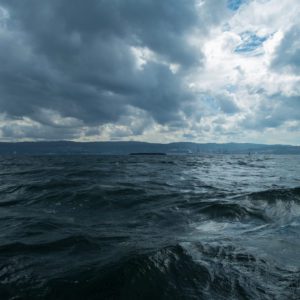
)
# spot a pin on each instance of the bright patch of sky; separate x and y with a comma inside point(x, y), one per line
point(240, 57)
point(250, 42)
point(235, 4)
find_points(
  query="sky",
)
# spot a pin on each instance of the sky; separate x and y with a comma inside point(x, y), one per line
point(150, 70)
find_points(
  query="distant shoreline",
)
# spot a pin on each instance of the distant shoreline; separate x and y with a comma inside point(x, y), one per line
point(148, 153)
point(141, 148)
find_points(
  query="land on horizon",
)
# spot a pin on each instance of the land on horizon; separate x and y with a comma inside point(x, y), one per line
point(127, 147)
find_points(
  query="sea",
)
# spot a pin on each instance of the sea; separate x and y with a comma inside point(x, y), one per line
point(150, 227)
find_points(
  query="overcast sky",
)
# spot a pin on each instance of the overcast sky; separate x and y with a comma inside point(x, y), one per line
point(150, 70)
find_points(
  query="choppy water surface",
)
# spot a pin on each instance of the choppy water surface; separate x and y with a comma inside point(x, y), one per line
point(164, 227)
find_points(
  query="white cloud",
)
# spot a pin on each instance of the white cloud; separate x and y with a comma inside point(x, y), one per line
point(247, 74)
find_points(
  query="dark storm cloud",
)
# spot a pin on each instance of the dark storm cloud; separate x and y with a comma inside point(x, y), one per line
point(227, 105)
point(75, 58)
point(12, 131)
point(287, 56)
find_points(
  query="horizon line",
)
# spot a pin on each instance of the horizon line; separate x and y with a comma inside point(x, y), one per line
point(136, 141)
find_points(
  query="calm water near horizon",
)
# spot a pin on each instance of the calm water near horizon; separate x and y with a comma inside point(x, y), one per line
point(150, 227)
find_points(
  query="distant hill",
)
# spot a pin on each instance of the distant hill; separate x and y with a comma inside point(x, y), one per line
point(67, 147)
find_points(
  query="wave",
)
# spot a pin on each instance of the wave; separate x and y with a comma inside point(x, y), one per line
point(273, 195)
point(217, 227)
point(188, 271)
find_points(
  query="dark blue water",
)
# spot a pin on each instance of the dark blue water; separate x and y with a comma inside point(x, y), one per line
point(161, 227)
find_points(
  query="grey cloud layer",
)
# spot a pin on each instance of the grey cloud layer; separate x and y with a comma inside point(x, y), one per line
point(75, 58)
point(68, 67)
point(287, 56)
